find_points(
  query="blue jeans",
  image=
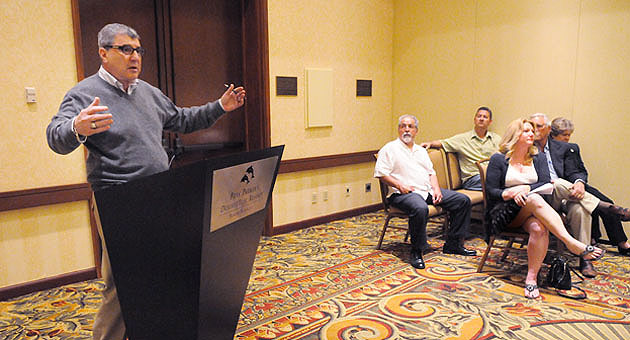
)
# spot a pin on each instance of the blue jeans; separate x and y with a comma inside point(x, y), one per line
point(472, 183)
point(456, 204)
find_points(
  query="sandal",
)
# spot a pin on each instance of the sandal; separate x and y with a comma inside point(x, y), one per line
point(530, 287)
point(589, 249)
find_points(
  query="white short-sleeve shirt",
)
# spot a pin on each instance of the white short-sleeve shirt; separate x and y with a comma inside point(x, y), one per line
point(412, 167)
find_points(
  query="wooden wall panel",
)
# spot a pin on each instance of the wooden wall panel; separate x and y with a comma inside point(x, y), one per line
point(207, 42)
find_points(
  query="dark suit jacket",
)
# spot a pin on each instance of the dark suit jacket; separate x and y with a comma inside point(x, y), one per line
point(579, 171)
point(567, 161)
point(495, 176)
point(568, 164)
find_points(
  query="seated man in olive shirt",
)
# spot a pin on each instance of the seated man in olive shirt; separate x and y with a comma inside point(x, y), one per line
point(470, 147)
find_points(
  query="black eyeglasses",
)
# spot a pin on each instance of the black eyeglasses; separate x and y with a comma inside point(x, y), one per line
point(128, 49)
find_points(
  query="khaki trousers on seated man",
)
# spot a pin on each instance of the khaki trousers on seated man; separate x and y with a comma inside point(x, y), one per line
point(578, 212)
point(567, 174)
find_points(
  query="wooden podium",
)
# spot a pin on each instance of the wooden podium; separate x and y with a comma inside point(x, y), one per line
point(182, 244)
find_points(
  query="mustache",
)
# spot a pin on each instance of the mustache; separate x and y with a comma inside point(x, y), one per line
point(406, 134)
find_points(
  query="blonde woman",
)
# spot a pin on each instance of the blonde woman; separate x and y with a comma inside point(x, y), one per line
point(512, 174)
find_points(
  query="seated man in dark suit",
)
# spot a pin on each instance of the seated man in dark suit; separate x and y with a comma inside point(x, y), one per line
point(569, 181)
point(561, 130)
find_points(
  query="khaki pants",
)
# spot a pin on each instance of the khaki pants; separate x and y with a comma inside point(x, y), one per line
point(579, 212)
point(108, 324)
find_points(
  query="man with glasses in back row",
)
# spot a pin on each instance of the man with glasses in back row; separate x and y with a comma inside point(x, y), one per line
point(119, 119)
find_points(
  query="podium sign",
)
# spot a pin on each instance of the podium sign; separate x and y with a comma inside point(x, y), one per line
point(239, 191)
point(182, 243)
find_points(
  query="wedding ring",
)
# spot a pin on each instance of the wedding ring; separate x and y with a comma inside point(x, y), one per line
point(93, 125)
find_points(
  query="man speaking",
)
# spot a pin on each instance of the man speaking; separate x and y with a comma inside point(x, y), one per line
point(120, 118)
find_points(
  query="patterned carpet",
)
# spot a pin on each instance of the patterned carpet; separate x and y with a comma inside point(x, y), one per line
point(328, 282)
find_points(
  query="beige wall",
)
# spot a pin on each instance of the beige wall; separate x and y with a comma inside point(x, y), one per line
point(601, 102)
point(354, 39)
point(450, 57)
point(294, 192)
point(44, 241)
point(563, 57)
point(433, 65)
point(38, 51)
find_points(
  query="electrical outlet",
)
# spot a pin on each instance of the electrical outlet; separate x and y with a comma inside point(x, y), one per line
point(325, 195)
point(31, 95)
point(347, 190)
point(314, 198)
point(368, 187)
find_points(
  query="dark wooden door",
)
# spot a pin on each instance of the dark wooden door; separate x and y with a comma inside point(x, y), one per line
point(206, 42)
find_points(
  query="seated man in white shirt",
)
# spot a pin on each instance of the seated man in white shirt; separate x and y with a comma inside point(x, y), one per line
point(406, 167)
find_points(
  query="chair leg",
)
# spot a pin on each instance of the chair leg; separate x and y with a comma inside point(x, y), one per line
point(485, 254)
point(380, 240)
point(507, 248)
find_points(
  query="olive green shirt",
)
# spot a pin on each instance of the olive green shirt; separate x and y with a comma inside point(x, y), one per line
point(470, 148)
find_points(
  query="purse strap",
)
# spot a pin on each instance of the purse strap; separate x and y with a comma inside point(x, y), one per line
point(578, 274)
point(571, 296)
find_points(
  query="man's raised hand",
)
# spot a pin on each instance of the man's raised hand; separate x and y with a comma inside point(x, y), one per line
point(90, 121)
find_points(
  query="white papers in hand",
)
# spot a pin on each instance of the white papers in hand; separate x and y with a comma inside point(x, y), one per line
point(545, 189)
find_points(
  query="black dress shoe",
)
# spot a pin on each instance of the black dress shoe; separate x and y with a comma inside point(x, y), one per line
point(416, 260)
point(624, 251)
point(458, 250)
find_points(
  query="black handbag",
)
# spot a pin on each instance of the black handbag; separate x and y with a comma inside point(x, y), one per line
point(559, 277)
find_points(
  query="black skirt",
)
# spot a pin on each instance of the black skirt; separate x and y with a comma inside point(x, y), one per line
point(500, 216)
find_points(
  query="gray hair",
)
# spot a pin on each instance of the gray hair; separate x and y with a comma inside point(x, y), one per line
point(408, 116)
point(560, 125)
point(108, 33)
point(544, 117)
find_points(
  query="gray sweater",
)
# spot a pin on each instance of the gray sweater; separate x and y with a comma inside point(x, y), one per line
point(132, 147)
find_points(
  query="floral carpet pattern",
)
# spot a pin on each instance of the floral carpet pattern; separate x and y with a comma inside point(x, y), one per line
point(329, 282)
